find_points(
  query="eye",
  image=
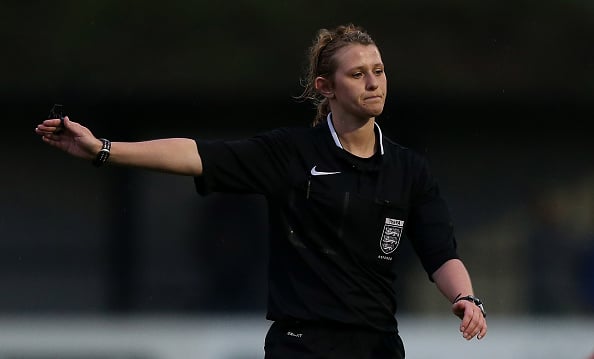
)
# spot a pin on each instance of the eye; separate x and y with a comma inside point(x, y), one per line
point(378, 71)
point(357, 75)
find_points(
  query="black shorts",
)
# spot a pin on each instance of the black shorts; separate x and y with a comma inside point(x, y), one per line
point(288, 340)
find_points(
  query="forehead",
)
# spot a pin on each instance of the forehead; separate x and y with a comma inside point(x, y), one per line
point(357, 55)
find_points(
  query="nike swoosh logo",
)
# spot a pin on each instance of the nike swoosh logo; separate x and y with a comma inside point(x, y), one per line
point(320, 173)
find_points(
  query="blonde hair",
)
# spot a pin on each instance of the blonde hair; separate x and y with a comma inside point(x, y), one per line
point(321, 62)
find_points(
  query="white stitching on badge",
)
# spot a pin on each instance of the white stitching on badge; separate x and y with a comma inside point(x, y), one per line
point(391, 235)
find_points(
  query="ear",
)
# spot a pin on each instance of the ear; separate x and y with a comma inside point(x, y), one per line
point(324, 87)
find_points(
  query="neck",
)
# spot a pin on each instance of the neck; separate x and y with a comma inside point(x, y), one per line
point(357, 138)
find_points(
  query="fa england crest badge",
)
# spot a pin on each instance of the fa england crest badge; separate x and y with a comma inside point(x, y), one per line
point(391, 235)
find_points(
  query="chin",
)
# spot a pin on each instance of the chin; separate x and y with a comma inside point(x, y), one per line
point(374, 109)
point(375, 112)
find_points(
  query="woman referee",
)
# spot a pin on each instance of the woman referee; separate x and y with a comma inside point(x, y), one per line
point(341, 197)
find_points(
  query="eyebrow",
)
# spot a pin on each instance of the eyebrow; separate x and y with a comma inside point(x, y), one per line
point(379, 64)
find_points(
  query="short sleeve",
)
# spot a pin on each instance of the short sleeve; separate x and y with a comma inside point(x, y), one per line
point(430, 225)
point(254, 165)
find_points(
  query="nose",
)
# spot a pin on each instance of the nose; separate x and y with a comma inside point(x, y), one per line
point(372, 82)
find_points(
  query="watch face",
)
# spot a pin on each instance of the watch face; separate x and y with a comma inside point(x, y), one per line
point(476, 301)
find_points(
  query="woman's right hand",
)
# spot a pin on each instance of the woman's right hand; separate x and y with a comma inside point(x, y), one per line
point(70, 137)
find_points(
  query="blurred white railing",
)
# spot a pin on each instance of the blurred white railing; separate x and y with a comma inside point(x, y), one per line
point(236, 337)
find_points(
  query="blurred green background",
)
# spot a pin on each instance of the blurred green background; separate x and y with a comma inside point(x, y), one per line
point(498, 94)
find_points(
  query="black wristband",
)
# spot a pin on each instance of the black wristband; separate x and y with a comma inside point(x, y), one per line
point(473, 299)
point(103, 154)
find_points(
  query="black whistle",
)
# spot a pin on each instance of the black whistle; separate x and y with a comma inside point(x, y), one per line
point(57, 111)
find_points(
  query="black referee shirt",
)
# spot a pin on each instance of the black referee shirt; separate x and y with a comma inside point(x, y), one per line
point(335, 219)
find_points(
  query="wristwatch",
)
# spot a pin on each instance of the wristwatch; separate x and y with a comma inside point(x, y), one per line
point(475, 300)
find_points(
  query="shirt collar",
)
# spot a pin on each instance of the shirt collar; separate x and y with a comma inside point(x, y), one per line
point(337, 141)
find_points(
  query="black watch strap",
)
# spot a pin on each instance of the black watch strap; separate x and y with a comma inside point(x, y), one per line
point(473, 299)
point(103, 154)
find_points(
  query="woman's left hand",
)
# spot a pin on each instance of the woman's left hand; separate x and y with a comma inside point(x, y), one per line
point(473, 323)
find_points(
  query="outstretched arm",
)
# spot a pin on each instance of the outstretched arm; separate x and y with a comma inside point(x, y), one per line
point(172, 155)
point(452, 280)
